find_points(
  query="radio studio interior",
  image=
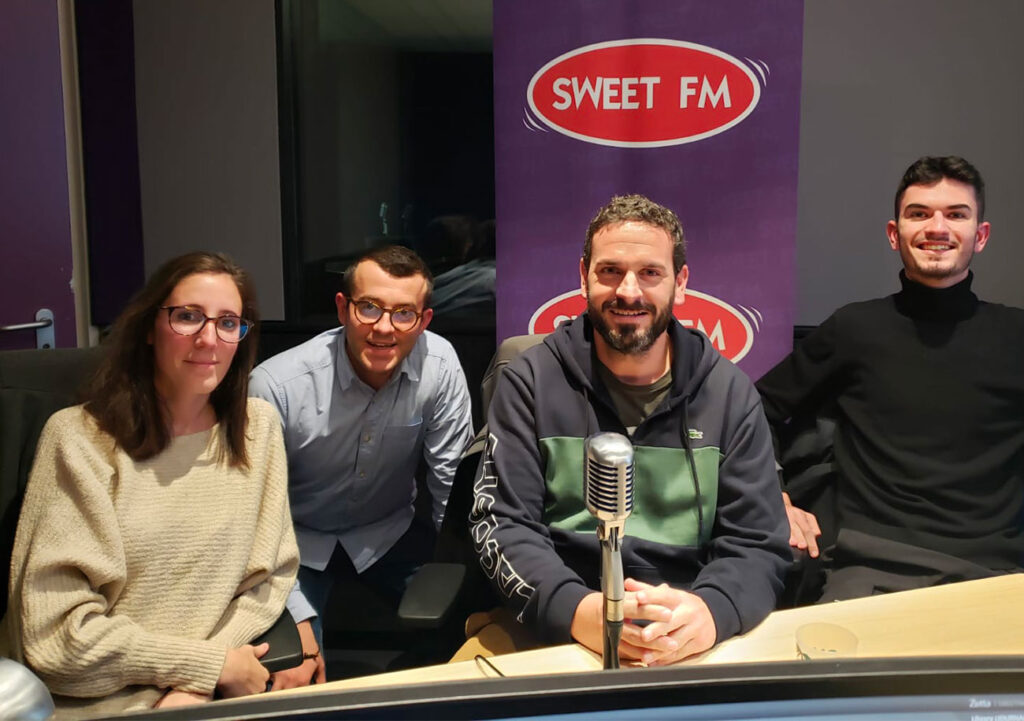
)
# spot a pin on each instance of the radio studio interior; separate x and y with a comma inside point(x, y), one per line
point(511, 359)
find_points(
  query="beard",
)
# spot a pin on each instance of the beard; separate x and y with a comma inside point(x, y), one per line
point(629, 340)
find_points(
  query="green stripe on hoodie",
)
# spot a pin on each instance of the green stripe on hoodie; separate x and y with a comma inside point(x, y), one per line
point(664, 510)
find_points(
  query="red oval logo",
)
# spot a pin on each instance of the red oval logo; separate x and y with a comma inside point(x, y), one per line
point(643, 93)
point(728, 330)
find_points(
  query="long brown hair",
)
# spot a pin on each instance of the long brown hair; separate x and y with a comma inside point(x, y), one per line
point(122, 395)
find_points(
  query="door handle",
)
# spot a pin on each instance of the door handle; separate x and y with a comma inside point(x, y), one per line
point(28, 326)
point(42, 325)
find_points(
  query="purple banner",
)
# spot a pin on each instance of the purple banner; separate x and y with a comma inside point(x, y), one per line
point(693, 104)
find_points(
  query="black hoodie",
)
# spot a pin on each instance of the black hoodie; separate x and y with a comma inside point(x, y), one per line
point(534, 536)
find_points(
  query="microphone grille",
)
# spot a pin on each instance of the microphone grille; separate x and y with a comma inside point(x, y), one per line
point(608, 476)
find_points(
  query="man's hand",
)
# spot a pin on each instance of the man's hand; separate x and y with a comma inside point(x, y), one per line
point(681, 623)
point(586, 622)
point(175, 698)
point(243, 673)
point(312, 670)
point(803, 528)
point(588, 625)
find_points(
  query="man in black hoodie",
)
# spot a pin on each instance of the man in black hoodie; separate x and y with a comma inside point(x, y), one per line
point(705, 547)
point(928, 394)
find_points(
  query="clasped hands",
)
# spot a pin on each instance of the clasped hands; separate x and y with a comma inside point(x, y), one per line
point(680, 624)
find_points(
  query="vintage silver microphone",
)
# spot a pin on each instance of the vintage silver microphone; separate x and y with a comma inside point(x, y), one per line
point(608, 494)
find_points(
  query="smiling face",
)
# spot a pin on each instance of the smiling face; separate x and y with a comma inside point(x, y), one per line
point(937, 232)
point(377, 349)
point(194, 365)
point(630, 285)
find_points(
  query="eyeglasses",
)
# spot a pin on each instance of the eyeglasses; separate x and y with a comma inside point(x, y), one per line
point(403, 318)
point(189, 320)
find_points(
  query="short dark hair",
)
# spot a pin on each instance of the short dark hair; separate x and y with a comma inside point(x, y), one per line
point(929, 170)
point(395, 260)
point(122, 394)
point(622, 208)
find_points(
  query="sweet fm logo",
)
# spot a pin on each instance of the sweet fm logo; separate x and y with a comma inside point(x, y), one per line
point(728, 329)
point(643, 93)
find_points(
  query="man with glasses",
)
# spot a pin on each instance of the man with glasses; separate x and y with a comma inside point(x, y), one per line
point(361, 406)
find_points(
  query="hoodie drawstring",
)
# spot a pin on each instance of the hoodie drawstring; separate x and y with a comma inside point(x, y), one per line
point(685, 437)
point(587, 411)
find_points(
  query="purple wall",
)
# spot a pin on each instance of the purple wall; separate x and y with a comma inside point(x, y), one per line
point(734, 191)
point(35, 232)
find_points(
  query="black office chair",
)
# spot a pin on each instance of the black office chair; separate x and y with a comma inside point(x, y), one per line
point(33, 385)
point(366, 633)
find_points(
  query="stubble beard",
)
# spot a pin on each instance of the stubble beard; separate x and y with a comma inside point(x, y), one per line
point(629, 340)
point(930, 269)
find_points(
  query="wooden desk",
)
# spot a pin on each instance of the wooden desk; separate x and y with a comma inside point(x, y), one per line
point(971, 618)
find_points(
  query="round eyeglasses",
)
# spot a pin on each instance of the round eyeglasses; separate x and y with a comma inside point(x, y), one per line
point(403, 318)
point(189, 320)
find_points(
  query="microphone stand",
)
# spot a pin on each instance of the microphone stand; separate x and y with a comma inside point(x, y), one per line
point(613, 590)
point(608, 493)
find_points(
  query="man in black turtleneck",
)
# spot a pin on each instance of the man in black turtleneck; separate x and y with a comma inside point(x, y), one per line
point(928, 391)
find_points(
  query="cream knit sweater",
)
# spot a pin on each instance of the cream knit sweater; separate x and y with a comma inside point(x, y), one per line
point(131, 578)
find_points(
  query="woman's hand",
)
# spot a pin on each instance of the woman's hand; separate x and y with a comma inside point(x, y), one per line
point(311, 670)
point(175, 698)
point(243, 673)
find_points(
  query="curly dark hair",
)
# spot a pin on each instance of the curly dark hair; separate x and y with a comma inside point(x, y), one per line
point(122, 395)
point(622, 208)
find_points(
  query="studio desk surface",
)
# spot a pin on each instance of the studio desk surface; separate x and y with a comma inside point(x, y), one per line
point(971, 618)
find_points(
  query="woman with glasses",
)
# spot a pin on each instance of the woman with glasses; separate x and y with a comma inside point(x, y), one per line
point(155, 539)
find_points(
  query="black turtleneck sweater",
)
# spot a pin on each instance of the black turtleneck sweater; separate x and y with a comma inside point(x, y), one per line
point(929, 443)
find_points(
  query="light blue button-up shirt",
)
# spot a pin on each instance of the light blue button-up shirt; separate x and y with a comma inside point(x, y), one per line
point(353, 451)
